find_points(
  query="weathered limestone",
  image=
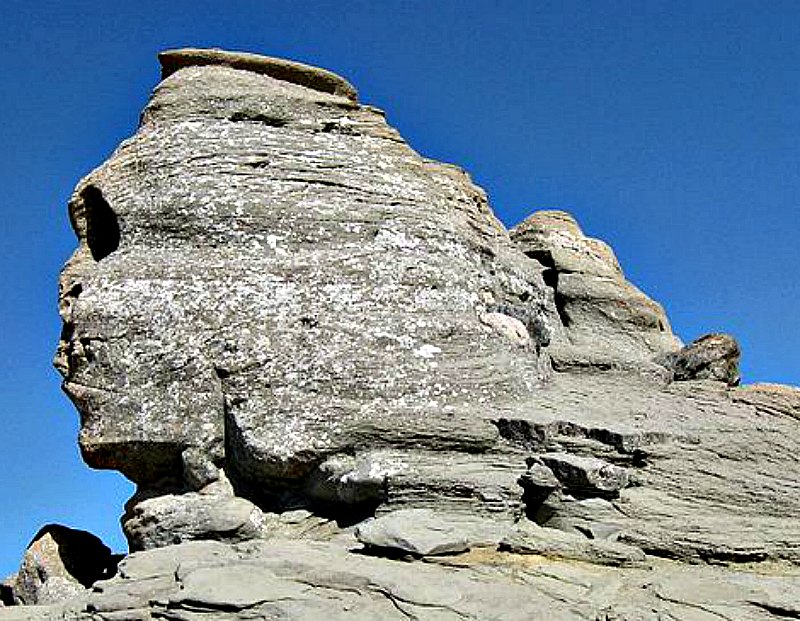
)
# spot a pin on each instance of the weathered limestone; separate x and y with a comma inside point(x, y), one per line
point(269, 279)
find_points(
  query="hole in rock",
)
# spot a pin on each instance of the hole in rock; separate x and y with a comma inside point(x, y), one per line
point(102, 226)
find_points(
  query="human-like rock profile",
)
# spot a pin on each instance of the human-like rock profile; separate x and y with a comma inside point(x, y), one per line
point(271, 282)
point(296, 335)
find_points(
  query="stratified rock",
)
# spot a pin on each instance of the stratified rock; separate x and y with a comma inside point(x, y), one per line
point(276, 299)
point(711, 357)
point(422, 532)
point(605, 321)
point(278, 68)
point(774, 399)
point(170, 519)
point(529, 538)
point(595, 518)
point(280, 579)
point(59, 564)
point(270, 281)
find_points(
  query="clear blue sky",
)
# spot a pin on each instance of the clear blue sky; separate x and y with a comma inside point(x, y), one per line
point(670, 129)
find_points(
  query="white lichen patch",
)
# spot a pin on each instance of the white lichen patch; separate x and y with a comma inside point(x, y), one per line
point(427, 351)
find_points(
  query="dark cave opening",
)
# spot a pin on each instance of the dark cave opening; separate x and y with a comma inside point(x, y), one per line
point(102, 226)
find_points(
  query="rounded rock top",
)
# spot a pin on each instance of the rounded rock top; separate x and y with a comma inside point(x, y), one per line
point(278, 68)
point(547, 221)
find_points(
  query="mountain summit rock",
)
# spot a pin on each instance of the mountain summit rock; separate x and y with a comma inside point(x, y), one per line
point(319, 354)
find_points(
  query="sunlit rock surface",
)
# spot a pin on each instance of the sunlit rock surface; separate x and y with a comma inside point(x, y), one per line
point(345, 391)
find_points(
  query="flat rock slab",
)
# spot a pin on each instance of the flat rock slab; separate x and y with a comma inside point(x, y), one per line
point(423, 532)
point(323, 580)
point(529, 538)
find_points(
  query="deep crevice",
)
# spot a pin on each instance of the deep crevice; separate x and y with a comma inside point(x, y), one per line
point(257, 117)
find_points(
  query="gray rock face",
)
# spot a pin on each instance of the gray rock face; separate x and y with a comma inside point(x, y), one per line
point(281, 322)
point(552, 543)
point(770, 399)
point(283, 579)
point(270, 278)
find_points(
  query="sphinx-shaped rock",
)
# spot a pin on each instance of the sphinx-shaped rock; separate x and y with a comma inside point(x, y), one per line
point(605, 321)
point(269, 278)
point(281, 321)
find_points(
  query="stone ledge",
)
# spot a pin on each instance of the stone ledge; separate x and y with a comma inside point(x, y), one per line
point(278, 68)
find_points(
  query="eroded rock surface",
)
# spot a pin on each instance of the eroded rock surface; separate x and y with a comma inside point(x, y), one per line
point(271, 279)
point(318, 349)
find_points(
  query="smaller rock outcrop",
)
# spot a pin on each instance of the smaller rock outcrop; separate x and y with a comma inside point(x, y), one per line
point(774, 399)
point(175, 518)
point(586, 476)
point(423, 533)
point(711, 357)
point(528, 538)
point(606, 321)
point(290, 71)
point(59, 564)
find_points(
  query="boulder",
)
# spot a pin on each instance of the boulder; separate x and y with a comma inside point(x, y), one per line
point(59, 564)
point(170, 519)
point(711, 357)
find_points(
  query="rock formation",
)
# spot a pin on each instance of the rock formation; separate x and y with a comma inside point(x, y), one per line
point(59, 563)
point(322, 360)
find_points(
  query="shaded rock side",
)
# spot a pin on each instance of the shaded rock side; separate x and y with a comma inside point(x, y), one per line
point(711, 357)
point(605, 321)
point(270, 281)
point(59, 564)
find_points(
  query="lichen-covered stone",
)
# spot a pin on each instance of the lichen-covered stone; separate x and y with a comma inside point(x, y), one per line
point(711, 357)
point(269, 277)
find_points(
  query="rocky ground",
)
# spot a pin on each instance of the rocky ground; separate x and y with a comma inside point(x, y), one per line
point(344, 390)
